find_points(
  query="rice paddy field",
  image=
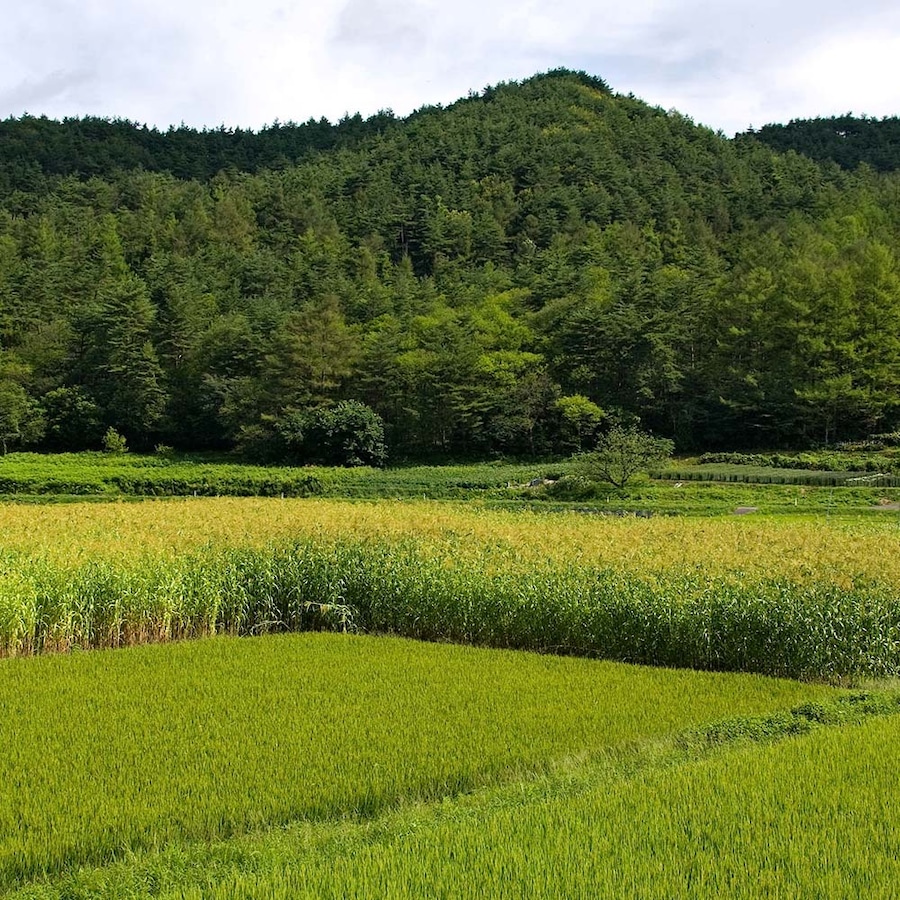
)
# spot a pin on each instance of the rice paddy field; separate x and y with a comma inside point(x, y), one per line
point(810, 817)
point(405, 698)
point(208, 739)
point(337, 765)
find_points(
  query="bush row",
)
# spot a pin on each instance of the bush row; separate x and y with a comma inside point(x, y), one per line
point(828, 462)
point(244, 486)
point(98, 473)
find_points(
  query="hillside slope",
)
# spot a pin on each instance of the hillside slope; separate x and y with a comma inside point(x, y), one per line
point(461, 272)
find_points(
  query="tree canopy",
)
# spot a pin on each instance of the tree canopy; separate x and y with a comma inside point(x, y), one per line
point(849, 141)
point(490, 277)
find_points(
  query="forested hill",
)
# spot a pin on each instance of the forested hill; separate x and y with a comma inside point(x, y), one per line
point(32, 148)
point(849, 141)
point(485, 277)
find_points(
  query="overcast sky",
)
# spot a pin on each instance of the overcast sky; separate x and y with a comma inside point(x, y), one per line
point(725, 63)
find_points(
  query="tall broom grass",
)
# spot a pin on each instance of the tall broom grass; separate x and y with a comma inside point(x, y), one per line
point(683, 617)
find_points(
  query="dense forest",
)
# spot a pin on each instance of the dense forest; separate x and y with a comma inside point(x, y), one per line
point(850, 141)
point(500, 276)
point(33, 148)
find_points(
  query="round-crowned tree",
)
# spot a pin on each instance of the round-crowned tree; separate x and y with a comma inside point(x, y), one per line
point(622, 453)
point(346, 434)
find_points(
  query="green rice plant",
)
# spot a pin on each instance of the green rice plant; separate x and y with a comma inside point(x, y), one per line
point(814, 816)
point(374, 856)
point(103, 754)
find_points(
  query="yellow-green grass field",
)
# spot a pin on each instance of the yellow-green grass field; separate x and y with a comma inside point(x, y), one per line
point(813, 816)
point(107, 753)
point(801, 547)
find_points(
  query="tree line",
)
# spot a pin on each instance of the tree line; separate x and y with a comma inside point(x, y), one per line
point(850, 141)
point(502, 276)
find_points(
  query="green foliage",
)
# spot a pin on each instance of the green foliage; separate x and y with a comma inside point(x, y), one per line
point(801, 817)
point(849, 141)
point(348, 434)
point(873, 442)
point(126, 372)
point(763, 475)
point(622, 453)
point(73, 420)
point(707, 489)
point(458, 272)
point(37, 147)
point(21, 418)
point(14, 411)
point(835, 461)
point(103, 474)
point(113, 442)
point(581, 419)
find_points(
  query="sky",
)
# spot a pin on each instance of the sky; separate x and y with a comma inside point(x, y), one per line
point(728, 64)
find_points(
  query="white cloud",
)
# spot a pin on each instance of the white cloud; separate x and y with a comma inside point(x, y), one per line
point(857, 73)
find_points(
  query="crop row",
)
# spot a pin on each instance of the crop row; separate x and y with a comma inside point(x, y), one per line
point(681, 617)
point(762, 475)
point(822, 461)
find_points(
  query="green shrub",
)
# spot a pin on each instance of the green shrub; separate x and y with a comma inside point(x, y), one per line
point(113, 442)
point(347, 434)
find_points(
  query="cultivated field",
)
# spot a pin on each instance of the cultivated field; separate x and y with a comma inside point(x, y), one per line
point(682, 488)
point(362, 764)
point(809, 817)
point(204, 740)
point(795, 597)
point(136, 475)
